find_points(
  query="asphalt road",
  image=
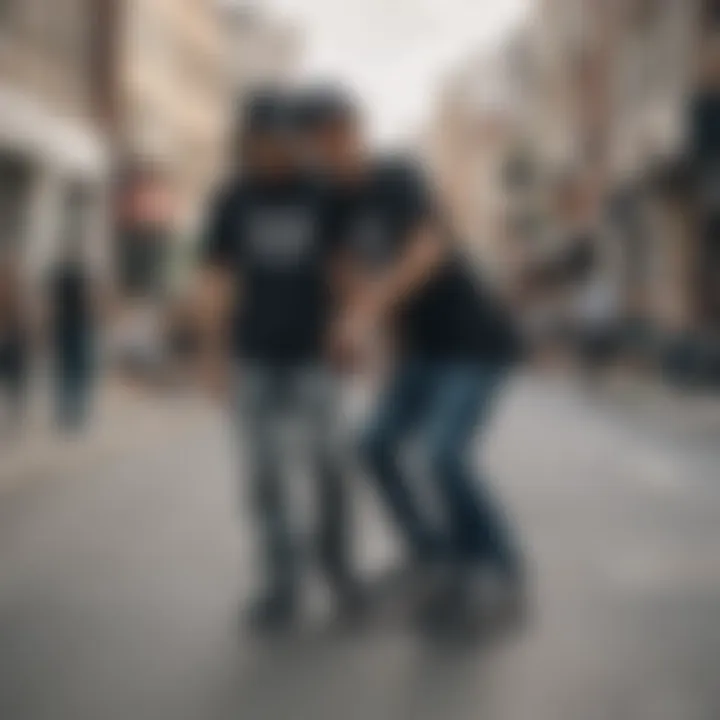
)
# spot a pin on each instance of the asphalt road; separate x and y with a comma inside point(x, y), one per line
point(121, 588)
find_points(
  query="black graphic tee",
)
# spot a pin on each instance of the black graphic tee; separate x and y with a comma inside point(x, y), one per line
point(278, 239)
point(453, 317)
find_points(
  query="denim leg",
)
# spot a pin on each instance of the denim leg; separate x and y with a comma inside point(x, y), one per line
point(15, 394)
point(316, 400)
point(260, 411)
point(68, 411)
point(11, 404)
point(461, 403)
point(398, 414)
point(74, 381)
point(76, 392)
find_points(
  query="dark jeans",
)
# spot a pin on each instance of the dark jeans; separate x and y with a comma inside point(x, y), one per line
point(440, 406)
point(74, 382)
point(13, 378)
point(268, 398)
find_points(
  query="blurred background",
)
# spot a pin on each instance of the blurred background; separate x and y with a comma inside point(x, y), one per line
point(576, 146)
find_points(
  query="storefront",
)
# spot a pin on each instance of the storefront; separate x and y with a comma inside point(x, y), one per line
point(15, 186)
point(145, 231)
point(44, 159)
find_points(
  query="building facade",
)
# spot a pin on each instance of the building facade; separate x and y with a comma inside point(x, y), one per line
point(481, 140)
point(265, 51)
point(599, 91)
point(264, 47)
point(168, 108)
point(646, 56)
point(52, 145)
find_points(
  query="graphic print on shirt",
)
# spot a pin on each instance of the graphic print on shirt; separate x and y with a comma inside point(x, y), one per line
point(281, 237)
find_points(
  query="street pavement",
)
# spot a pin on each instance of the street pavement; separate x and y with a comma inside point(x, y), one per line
point(123, 419)
point(121, 586)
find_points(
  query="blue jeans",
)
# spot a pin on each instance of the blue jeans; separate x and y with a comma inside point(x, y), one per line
point(439, 405)
point(74, 381)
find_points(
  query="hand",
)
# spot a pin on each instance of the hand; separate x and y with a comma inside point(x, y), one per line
point(350, 337)
point(215, 379)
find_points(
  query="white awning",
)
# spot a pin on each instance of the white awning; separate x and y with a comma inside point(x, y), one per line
point(71, 146)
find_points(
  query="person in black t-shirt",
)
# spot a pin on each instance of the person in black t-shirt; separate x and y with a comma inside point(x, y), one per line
point(269, 253)
point(453, 346)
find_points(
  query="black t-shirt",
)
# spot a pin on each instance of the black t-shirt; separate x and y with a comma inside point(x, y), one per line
point(453, 317)
point(278, 239)
point(705, 129)
point(71, 300)
point(705, 150)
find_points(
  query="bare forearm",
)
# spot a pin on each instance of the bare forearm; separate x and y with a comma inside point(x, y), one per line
point(419, 264)
point(212, 315)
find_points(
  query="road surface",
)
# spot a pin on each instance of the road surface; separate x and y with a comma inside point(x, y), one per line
point(121, 587)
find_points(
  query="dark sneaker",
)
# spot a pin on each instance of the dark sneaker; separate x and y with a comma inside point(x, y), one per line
point(271, 613)
point(476, 604)
point(352, 604)
point(492, 603)
point(514, 603)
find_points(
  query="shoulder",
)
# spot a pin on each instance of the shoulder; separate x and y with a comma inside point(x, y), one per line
point(229, 194)
point(398, 171)
point(314, 185)
point(319, 193)
point(403, 183)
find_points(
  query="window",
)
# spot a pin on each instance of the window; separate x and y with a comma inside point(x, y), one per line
point(76, 37)
point(15, 180)
point(711, 13)
point(151, 40)
point(8, 9)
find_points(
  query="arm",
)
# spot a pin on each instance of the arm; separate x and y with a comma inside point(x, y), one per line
point(372, 301)
point(419, 262)
point(422, 248)
point(347, 280)
point(420, 252)
point(214, 296)
point(213, 299)
point(212, 308)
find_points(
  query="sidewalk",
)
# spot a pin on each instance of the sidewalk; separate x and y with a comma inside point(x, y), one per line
point(660, 407)
point(125, 420)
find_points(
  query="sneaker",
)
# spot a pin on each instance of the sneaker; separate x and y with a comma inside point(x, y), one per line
point(352, 603)
point(272, 612)
point(492, 602)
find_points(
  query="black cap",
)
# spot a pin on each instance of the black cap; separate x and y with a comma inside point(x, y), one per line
point(320, 106)
point(267, 111)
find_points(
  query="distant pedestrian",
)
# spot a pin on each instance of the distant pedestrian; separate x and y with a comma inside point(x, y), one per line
point(594, 311)
point(73, 333)
point(14, 346)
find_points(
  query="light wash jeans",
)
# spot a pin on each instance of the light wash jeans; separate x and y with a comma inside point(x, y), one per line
point(268, 397)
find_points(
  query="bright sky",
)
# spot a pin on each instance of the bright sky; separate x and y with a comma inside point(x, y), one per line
point(395, 52)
